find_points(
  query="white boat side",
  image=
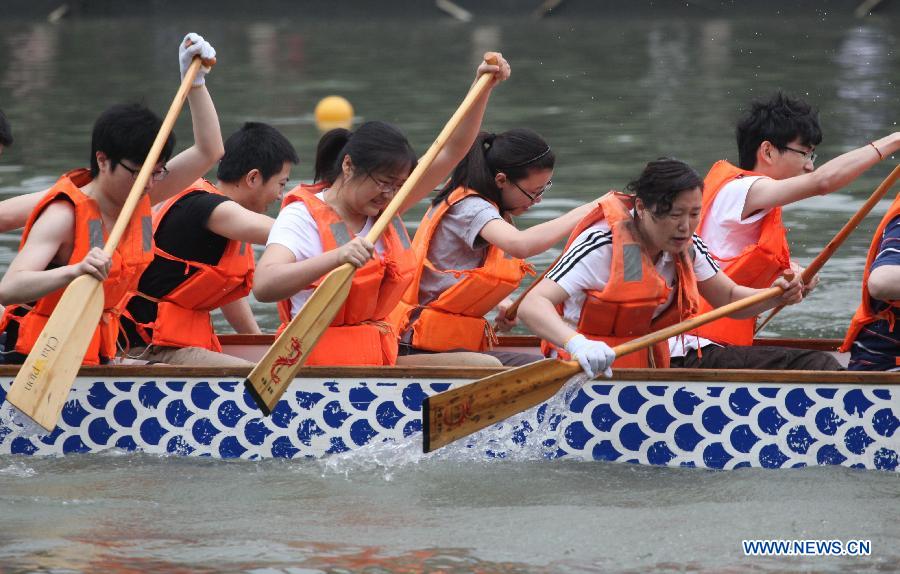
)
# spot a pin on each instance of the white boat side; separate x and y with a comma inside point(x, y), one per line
point(676, 417)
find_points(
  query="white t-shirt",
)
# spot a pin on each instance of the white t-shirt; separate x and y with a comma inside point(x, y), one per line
point(726, 235)
point(295, 229)
point(724, 231)
point(586, 264)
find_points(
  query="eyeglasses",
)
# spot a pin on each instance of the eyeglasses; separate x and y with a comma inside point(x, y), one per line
point(810, 155)
point(158, 175)
point(385, 186)
point(536, 196)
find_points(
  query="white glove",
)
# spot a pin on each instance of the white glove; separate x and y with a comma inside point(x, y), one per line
point(595, 357)
point(198, 47)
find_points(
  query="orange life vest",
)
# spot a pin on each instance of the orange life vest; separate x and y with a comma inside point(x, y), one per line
point(455, 320)
point(182, 316)
point(360, 333)
point(132, 255)
point(864, 313)
point(624, 309)
point(756, 266)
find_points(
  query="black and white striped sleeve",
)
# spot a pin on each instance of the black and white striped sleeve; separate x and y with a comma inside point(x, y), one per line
point(705, 265)
point(588, 242)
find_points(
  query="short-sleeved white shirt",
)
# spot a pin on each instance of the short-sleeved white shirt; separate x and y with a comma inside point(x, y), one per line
point(295, 229)
point(725, 233)
point(585, 266)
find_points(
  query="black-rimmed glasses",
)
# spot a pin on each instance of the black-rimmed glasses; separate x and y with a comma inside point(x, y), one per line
point(158, 175)
point(385, 186)
point(810, 155)
point(536, 196)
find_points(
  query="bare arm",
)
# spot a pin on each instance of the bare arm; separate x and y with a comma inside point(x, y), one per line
point(240, 317)
point(527, 242)
point(884, 283)
point(461, 140)
point(230, 220)
point(538, 312)
point(196, 160)
point(28, 278)
point(720, 290)
point(279, 275)
point(14, 211)
point(768, 193)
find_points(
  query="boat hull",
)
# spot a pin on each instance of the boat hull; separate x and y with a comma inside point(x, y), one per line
point(672, 417)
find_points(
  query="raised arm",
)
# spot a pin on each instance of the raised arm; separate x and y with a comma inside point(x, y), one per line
point(458, 144)
point(208, 148)
point(524, 243)
point(767, 193)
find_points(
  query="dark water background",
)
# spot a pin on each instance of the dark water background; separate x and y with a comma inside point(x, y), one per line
point(610, 89)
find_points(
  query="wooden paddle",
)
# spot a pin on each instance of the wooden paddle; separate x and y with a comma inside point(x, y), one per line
point(841, 236)
point(275, 371)
point(513, 309)
point(459, 412)
point(45, 378)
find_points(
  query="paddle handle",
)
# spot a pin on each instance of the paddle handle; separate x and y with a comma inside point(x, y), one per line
point(477, 90)
point(841, 236)
point(513, 309)
point(694, 322)
point(143, 176)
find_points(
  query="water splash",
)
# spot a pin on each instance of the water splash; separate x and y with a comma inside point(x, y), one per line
point(528, 436)
point(18, 470)
point(20, 423)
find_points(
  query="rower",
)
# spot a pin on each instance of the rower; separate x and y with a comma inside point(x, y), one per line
point(319, 230)
point(632, 266)
point(65, 233)
point(203, 254)
point(873, 338)
point(741, 223)
point(471, 255)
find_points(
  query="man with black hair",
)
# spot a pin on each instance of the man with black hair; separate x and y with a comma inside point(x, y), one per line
point(741, 222)
point(64, 235)
point(203, 255)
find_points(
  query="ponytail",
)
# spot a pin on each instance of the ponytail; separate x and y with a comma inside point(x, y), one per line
point(327, 167)
point(516, 152)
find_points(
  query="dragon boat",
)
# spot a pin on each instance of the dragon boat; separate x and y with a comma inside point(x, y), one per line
point(715, 419)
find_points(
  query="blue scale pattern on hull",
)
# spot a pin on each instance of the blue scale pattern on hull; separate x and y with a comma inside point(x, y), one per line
point(703, 425)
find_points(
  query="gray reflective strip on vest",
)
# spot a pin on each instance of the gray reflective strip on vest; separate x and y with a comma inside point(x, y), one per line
point(340, 232)
point(95, 233)
point(401, 232)
point(631, 255)
point(243, 248)
point(147, 232)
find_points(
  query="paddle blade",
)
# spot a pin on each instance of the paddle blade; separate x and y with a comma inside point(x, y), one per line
point(42, 385)
point(459, 412)
point(275, 371)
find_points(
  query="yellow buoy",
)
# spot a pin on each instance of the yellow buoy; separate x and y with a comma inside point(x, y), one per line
point(333, 112)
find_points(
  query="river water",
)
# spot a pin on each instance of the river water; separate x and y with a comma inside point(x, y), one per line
point(609, 92)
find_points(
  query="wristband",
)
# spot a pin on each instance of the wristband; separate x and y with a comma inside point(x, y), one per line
point(878, 151)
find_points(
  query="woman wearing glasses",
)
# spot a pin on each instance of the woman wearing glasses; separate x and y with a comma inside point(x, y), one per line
point(323, 227)
point(471, 255)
